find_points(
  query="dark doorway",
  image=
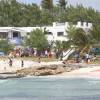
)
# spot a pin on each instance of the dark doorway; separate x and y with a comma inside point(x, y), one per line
point(16, 34)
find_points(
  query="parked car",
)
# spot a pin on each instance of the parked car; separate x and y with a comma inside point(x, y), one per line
point(95, 51)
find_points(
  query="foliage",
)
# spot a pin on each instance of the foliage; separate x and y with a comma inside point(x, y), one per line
point(62, 4)
point(66, 44)
point(95, 34)
point(5, 46)
point(70, 31)
point(84, 39)
point(62, 45)
point(80, 37)
point(13, 13)
point(47, 4)
point(37, 40)
point(58, 45)
point(77, 37)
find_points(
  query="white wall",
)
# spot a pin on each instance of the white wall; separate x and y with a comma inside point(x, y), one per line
point(56, 27)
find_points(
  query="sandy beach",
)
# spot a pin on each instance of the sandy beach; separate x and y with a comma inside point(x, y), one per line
point(17, 65)
point(89, 70)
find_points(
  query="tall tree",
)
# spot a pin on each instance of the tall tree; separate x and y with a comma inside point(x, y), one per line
point(37, 39)
point(47, 4)
point(62, 4)
point(94, 34)
point(13, 13)
point(77, 37)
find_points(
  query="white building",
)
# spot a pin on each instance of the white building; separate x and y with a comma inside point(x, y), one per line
point(56, 32)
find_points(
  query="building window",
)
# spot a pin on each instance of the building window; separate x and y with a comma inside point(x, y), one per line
point(60, 33)
point(3, 35)
point(48, 33)
point(15, 34)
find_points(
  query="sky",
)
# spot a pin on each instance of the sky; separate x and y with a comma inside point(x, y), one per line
point(87, 3)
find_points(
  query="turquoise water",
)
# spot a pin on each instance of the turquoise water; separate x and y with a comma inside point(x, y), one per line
point(50, 89)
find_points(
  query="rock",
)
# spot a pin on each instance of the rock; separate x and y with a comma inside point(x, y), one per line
point(41, 70)
point(7, 76)
point(47, 70)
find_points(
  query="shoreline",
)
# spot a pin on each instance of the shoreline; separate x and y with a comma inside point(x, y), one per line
point(49, 69)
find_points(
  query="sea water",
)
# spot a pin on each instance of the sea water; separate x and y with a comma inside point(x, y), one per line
point(44, 88)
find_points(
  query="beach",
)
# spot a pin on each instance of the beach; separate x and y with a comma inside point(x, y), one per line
point(61, 70)
point(91, 71)
point(17, 65)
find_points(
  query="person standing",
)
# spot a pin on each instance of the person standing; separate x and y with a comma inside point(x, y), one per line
point(39, 60)
point(87, 58)
point(46, 53)
point(4, 62)
point(22, 63)
point(10, 62)
point(61, 55)
point(77, 56)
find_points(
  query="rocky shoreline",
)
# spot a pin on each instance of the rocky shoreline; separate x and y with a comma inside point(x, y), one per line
point(42, 70)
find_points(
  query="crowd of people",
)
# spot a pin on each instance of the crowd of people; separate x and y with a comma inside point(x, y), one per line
point(87, 58)
point(30, 52)
point(47, 53)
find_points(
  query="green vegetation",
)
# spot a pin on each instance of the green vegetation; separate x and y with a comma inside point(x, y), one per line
point(95, 34)
point(47, 4)
point(5, 46)
point(77, 36)
point(37, 39)
point(83, 40)
point(13, 13)
point(62, 4)
point(62, 45)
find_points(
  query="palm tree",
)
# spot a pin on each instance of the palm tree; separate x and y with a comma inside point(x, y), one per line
point(81, 39)
point(78, 37)
point(95, 34)
point(47, 6)
point(70, 32)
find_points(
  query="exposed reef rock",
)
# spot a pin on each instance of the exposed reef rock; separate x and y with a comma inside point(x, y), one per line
point(46, 70)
